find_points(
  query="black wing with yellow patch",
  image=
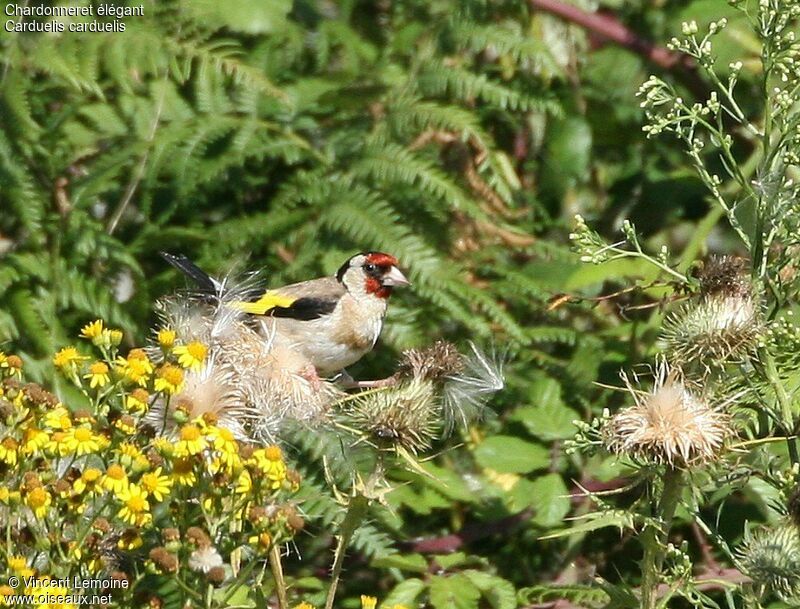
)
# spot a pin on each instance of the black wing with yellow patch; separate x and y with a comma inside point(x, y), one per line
point(275, 304)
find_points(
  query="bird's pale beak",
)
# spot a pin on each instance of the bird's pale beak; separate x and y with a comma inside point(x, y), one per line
point(395, 278)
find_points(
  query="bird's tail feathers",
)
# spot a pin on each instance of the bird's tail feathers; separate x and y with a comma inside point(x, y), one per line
point(204, 281)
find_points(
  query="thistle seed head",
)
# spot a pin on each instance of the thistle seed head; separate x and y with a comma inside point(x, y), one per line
point(669, 424)
point(726, 275)
point(771, 558)
point(434, 363)
point(719, 327)
point(407, 416)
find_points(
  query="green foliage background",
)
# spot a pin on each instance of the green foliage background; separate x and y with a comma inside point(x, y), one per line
point(461, 137)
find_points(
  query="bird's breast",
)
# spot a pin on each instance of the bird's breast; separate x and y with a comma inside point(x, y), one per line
point(335, 341)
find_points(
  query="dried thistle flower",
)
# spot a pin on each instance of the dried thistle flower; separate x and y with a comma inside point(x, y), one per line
point(434, 363)
point(669, 424)
point(407, 416)
point(724, 323)
point(771, 558)
point(724, 275)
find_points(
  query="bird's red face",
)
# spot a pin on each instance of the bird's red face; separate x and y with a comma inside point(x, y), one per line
point(378, 273)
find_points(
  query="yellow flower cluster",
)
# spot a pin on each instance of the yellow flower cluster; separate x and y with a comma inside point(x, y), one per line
point(96, 475)
point(138, 369)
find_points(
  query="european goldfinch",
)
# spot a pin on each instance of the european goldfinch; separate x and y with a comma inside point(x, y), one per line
point(331, 321)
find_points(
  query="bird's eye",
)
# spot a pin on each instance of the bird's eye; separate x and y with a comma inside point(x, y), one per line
point(369, 267)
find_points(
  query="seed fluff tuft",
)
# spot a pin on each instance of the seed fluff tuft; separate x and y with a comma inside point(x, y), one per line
point(466, 393)
point(669, 424)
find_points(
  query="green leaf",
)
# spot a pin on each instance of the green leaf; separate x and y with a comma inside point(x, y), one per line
point(453, 592)
point(622, 519)
point(499, 592)
point(445, 481)
point(508, 454)
point(547, 495)
point(415, 563)
point(404, 593)
point(547, 418)
point(451, 561)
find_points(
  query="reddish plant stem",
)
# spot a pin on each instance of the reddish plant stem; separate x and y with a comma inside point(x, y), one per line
point(611, 29)
point(606, 27)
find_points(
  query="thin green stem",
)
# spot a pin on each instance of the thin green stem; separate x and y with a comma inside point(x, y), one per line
point(356, 510)
point(277, 573)
point(655, 538)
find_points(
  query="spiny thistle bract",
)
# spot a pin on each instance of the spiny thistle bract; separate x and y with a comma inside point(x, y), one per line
point(771, 558)
point(436, 389)
point(407, 416)
point(669, 424)
point(722, 324)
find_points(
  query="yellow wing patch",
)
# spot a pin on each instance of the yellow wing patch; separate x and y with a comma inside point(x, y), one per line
point(268, 301)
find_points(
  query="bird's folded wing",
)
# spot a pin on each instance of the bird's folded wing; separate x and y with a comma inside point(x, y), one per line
point(302, 301)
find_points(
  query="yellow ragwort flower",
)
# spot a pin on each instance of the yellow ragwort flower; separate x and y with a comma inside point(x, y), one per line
point(137, 401)
point(166, 338)
point(227, 448)
point(135, 508)
point(126, 425)
point(81, 441)
point(9, 450)
point(269, 461)
point(156, 485)
point(169, 379)
point(164, 447)
point(244, 483)
point(192, 355)
point(183, 472)
point(68, 358)
point(47, 595)
point(89, 482)
point(98, 375)
point(131, 451)
point(19, 566)
point(57, 418)
point(368, 602)
point(34, 440)
point(12, 363)
point(115, 479)
point(5, 592)
point(56, 445)
point(135, 368)
point(191, 441)
point(93, 330)
point(38, 499)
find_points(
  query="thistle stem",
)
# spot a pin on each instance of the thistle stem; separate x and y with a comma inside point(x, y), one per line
point(784, 401)
point(277, 573)
point(356, 510)
point(654, 538)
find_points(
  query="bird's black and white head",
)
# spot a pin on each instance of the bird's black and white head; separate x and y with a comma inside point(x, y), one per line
point(371, 273)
